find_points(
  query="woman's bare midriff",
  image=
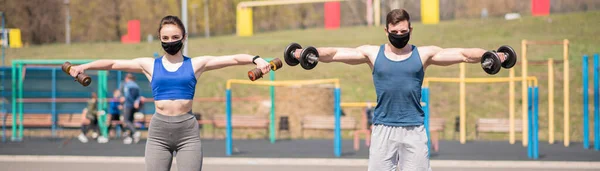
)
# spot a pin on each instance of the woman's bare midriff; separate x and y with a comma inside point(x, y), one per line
point(173, 107)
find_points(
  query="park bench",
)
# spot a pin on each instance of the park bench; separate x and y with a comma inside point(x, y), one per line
point(436, 127)
point(326, 123)
point(243, 121)
point(31, 120)
point(495, 125)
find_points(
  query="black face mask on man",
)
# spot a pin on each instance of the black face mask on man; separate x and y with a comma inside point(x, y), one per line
point(172, 47)
point(399, 41)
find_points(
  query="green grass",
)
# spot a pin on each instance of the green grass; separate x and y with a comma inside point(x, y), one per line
point(483, 100)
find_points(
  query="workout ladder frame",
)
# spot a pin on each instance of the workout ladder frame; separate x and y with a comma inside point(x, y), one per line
point(337, 143)
point(17, 91)
point(566, 114)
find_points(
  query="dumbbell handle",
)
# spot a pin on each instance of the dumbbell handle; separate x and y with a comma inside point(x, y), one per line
point(256, 73)
point(82, 78)
point(487, 63)
point(312, 58)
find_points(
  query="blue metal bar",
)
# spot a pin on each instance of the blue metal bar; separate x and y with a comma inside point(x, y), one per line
point(584, 73)
point(53, 110)
point(535, 123)
point(596, 105)
point(14, 101)
point(425, 100)
point(20, 96)
point(119, 78)
point(228, 138)
point(272, 113)
point(338, 133)
point(3, 39)
point(529, 123)
point(4, 111)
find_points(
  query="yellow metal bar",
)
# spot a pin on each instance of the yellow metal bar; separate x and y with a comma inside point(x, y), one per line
point(357, 104)
point(430, 11)
point(244, 26)
point(477, 80)
point(463, 115)
point(246, 4)
point(551, 101)
point(511, 105)
point(363, 104)
point(566, 90)
point(524, 91)
point(377, 11)
point(545, 42)
point(336, 82)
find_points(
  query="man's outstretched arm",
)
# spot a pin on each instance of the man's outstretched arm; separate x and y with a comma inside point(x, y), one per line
point(352, 56)
point(450, 56)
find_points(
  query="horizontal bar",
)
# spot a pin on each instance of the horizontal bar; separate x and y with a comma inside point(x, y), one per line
point(541, 62)
point(545, 43)
point(357, 104)
point(147, 100)
point(476, 80)
point(51, 62)
point(247, 4)
point(336, 82)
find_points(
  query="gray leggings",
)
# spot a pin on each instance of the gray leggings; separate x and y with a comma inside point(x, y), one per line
point(168, 134)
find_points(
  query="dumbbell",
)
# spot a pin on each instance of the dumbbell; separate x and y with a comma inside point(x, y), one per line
point(256, 73)
point(308, 58)
point(491, 61)
point(82, 78)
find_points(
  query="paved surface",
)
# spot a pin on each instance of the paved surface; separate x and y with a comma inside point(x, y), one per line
point(449, 150)
point(27, 166)
point(77, 163)
point(50, 154)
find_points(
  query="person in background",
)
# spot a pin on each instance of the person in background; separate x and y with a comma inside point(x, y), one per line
point(114, 111)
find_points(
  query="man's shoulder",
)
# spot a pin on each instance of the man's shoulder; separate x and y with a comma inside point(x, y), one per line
point(429, 50)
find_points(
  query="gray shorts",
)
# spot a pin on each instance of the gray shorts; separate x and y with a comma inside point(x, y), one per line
point(168, 134)
point(399, 147)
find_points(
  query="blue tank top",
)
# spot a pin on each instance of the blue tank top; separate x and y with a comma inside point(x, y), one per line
point(398, 88)
point(167, 85)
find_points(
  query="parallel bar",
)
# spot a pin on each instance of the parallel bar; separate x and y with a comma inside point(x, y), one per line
point(53, 109)
point(535, 140)
point(14, 101)
point(338, 133)
point(377, 11)
point(550, 102)
point(228, 138)
point(566, 91)
point(20, 96)
point(529, 123)
point(584, 73)
point(511, 105)
point(596, 105)
point(119, 78)
point(524, 91)
point(425, 98)
point(462, 108)
point(272, 115)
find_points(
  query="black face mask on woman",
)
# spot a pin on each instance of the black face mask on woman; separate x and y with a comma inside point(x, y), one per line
point(399, 41)
point(172, 47)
